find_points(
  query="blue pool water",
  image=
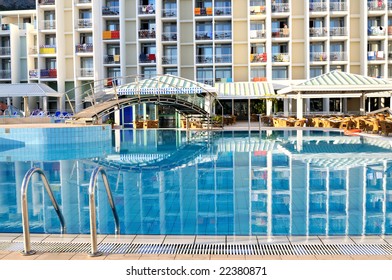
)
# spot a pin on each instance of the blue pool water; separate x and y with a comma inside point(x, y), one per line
point(217, 183)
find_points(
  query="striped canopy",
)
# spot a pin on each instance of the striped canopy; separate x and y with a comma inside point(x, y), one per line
point(339, 82)
point(165, 84)
point(244, 90)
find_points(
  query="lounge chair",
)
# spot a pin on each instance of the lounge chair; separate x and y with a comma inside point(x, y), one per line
point(386, 127)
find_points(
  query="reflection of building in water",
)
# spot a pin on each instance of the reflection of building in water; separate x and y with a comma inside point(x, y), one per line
point(288, 184)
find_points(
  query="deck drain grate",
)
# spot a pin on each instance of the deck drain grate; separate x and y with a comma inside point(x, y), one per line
point(207, 249)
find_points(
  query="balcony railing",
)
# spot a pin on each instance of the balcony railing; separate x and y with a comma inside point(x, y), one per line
point(222, 11)
point(338, 31)
point(169, 36)
point(83, 1)
point(280, 32)
point(318, 6)
point(258, 57)
point(47, 49)
point(376, 31)
point(84, 23)
point(203, 35)
point(280, 57)
point(169, 60)
point(376, 5)
point(257, 34)
point(318, 32)
point(111, 35)
point(376, 55)
point(43, 73)
point(203, 11)
point(146, 10)
point(389, 6)
point(203, 59)
point(5, 27)
point(257, 10)
point(337, 56)
point(5, 51)
point(111, 10)
point(223, 58)
point(147, 58)
point(169, 13)
point(222, 35)
point(46, 2)
point(33, 50)
point(280, 8)
point(84, 48)
point(87, 72)
point(318, 56)
point(5, 74)
point(206, 81)
point(49, 24)
point(112, 59)
point(146, 34)
point(338, 6)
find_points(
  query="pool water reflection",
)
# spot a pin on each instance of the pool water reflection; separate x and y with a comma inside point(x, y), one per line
point(217, 183)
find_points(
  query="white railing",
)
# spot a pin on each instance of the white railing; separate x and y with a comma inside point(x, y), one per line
point(222, 35)
point(222, 11)
point(318, 32)
point(376, 31)
point(223, 58)
point(203, 35)
point(376, 5)
point(146, 10)
point(257, 34)
point(318, 6)
point(87, 72)
point(110, 10)
point(169, 59)
point(338, 6)
point(49, 24)
point(280, 32)
point(280, 57)
point(84, 23)
point(338, 31)
point(376, 55)
point(169, 13)
point(5, 51)
point(201, 59)
point(257, 10)
point(83, 1)
point(318, 56)
point(280, 8)
point(169, 36)
point(337, 56)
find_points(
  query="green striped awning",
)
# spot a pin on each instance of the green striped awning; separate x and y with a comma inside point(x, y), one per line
point(165, 84)
point(244, 90)
point(341, 82)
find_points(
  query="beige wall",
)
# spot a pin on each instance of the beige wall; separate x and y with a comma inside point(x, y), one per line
point(187, 55)
point(298, 9)
point(298, 72)
point(131, 71)
point(355, 6)
point(299, 31)
point(69, 46)
point(240, 54)
point(186, 9)
point(240, 9)
point(131, 59)
point(186, 32)
point(188, 73)
point(69, 74)
point(240, 31)
point(241, 73)
point(129, 35)
point(129, 6)
point(68, 20)
point(298, 53)
point(355, 28)
point(355, 69)
point(355, 48)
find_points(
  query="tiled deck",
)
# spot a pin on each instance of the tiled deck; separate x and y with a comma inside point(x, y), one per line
point(192, 240)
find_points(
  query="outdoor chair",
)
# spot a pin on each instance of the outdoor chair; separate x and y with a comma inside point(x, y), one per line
point(386, 127)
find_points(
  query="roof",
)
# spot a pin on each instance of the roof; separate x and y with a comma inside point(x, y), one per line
point(244, 90)
point(245, 145)
point(165, 84)
point(27, 90)
point(338, 82)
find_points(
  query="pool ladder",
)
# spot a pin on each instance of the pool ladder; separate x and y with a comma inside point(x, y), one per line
point(93, 224)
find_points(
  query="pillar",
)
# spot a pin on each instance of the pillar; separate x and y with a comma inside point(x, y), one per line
point(26, 106)
point(300, 106)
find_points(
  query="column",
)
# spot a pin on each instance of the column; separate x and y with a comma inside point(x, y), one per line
point(300, 106)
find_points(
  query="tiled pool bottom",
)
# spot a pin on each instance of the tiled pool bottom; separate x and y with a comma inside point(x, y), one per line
point(76, 247)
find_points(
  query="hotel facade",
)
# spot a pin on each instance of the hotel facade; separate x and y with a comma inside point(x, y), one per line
point(68, 44)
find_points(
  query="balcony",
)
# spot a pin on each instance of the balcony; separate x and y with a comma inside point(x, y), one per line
point(83, 1)
point(112, 59)
point(222, 11)
point(168, 13)
point(281, 57)
point(376, 5)
point(203, 11)
point(376, 31)
point(338, 56)
point(257, 10)
point(33, 50)
point(338, 31)
point(5, 74)
point(222, 35)
point(258, 57)
point(204, 59)
point(338, 6)
point(147, 58)
point(47, 49)
point(318, 32)
point(169, 36)
point(84, 48)
point(203, 35)
point(146, 34)
point(318, 7)
point(280, 8)
point(110, 11)
point(389, 6)
point(146, 10)
point(84, 23)
point(49, 24)
point(169, 60)
point(111, 35)
point(376, 55)
point(87, 72)
point(5, 27)
point(206, 81)
point(257, 34)
point(318, 56)
point(280, 32)
point(223, 58)
point(43, 73)
point(47, 2)
point(4, 51)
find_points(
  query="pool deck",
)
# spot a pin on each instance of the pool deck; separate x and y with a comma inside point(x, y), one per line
point(313, 241)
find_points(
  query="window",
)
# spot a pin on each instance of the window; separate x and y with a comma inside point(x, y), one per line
point(49, 15)
point(222, 73)
point(112, 25)
point(85, 14)
point(87, 62)
point(258, 48)
point(280, 73)
point(258, 72)
point(223, 53)
point(170, 55)
point(113, 72)
point(149, 72)
point(86, 38)
point(316, 47)
point(170, 71)
point(316, 71)
point(50, 63)
point(113, 49)
point(204, 53)
point(205, 75)
point(337, 67)
point(50, 40)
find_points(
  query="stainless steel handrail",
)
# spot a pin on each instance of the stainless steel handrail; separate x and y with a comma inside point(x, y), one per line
point(93, 221)
point(25, 215)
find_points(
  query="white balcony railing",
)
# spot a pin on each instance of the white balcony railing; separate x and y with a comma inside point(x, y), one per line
point(376, 31)
point(280, 57)
point(84, 23)
point(257, 34)
point(87, 72)
point(280, 8)
point(318, 32)
point(280, 32)
point(222, 35)
point(338, 56)
point(222, 11)
point(169, 36)
point(5, 51)
point(48, 24)
point(376, 55)
point(169, 59)
point(376, 5)
point(203, 35)
point(318, 6)
point(169, 13)
point(202, 59)
point(110, 10)
point(223, 58)
point(318, 56)
point(338, 31)
point(338, 6)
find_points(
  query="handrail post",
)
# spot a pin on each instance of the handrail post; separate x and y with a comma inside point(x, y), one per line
point(25, 215)
point(93, 221)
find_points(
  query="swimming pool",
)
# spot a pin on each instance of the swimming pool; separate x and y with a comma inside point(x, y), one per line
point(209, 183)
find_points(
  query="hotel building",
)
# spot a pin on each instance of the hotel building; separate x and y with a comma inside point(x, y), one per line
point(68, 44)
